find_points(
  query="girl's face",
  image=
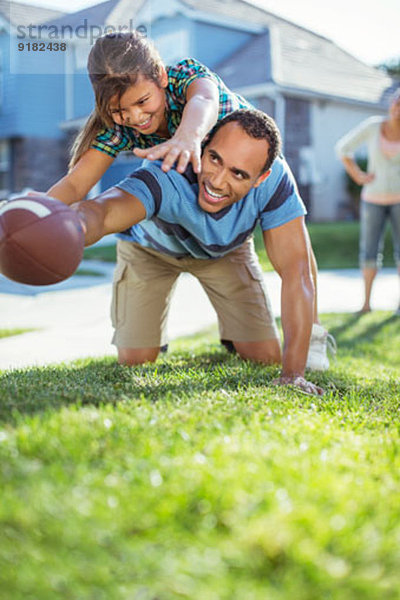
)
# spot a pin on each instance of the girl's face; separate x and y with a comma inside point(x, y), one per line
point(142, 106)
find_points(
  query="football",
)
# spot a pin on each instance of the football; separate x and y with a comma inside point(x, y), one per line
point(41, 240)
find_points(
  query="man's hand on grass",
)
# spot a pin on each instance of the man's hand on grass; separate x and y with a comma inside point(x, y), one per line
point(300, 384)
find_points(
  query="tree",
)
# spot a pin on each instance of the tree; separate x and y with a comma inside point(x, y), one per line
point(391, 67)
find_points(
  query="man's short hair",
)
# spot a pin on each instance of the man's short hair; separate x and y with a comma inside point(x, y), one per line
point(257, 125)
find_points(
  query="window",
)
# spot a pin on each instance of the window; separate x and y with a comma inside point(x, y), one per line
point(4, 168)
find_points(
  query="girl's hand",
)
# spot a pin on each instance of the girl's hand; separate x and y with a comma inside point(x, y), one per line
point(177, 149)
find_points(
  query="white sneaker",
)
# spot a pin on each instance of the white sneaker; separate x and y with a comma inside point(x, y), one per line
point(321, 341)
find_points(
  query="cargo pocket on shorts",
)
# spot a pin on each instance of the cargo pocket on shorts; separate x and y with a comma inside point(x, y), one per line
point(254, 272)
point(256, 281)
point(249, 274)
point(118, 302)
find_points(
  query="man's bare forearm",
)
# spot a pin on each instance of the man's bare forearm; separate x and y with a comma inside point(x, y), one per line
point(92, 215)
point(113, 211)
point(297, 305)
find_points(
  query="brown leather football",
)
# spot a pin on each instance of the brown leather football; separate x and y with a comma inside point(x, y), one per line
point(41, 240)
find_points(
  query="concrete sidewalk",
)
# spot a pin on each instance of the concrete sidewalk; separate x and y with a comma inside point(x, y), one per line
point(73, 320)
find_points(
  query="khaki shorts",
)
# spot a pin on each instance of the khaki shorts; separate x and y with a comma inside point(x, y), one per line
point(144, 281)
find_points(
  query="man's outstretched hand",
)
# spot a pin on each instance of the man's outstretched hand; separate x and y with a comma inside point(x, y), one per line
point(300, 384)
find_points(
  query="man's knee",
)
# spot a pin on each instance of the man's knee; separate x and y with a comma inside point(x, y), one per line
point(137, 356)
point(267, 351)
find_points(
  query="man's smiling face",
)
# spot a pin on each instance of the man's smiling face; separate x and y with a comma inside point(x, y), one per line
point(231, 165)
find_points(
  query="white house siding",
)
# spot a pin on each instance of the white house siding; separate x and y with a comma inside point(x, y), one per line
point(329, 121)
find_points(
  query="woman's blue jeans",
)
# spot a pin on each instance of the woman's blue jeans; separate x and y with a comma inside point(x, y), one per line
point(373, 218)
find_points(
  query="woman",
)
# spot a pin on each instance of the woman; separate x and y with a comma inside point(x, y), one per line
point(380, 196)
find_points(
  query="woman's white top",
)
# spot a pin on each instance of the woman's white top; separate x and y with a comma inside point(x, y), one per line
point(383, 160)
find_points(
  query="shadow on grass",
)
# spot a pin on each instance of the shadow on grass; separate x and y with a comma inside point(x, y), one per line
point(102, 381)
point(374, 335)
point(349, 321)
point(180, 376)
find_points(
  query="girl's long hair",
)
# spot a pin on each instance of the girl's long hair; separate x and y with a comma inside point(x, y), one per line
point(114, 64)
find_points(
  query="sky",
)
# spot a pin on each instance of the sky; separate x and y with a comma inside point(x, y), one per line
point(368, 29)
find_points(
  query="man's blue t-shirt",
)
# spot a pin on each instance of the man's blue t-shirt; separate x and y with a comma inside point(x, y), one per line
point(175, 224)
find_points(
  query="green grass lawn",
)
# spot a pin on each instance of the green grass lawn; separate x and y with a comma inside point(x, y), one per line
point(195, 478)
point(17, 331)
point(335, 246)
point(106, 253)
point(88, 273)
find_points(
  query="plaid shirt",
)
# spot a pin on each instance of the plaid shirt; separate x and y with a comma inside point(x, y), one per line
point(112, 141)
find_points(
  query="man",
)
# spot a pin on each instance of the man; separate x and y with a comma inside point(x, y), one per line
point(205, 227)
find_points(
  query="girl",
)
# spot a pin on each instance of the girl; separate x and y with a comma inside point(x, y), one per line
point(157, 112)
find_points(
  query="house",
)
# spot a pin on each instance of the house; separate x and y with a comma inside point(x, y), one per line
point(314, 90)
point(29, 113)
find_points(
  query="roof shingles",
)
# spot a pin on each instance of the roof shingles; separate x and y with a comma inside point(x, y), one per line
point(18, 13)
point(304, 61)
